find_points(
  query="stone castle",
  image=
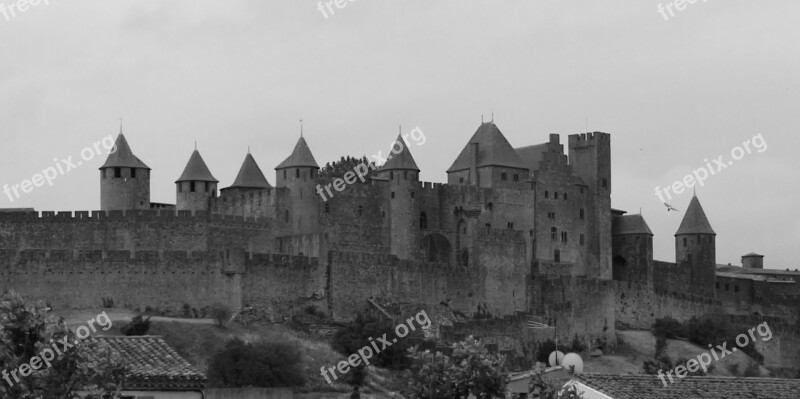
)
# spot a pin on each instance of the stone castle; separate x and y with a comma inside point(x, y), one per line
point(515, 234)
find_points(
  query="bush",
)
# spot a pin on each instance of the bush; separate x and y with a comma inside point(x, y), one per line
point(138, 326)
point(261, 364)
point(357, 334)
point(669, 328)
point(221, 314)
point(706, 331)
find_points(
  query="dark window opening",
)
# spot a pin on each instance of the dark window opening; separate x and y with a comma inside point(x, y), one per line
point(516, 177)
point(546, 194)
point(133, 173)
point(684, 241)
point(557, 256)
point(405, 175)
point(284, 174)
point(117, 172)
point(563, 236)
point(565, 196)
point(510, 225)
point(327, 208)
point(605, 183)
point(423, 220)
point(286, 217)
point(556, 195)
point(360, 210)
point(392, 194)
point(391, 175)
point(191, 186)
point(460, 179)
point(503, 176)
point(582, 239)
point(583, 214)
point(297, 172)
point(554, 233)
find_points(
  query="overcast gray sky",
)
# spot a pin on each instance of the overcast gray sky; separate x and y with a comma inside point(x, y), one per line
point(242, 73)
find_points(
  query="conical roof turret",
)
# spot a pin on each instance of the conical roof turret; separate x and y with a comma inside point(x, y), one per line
point(301, 156)
point(250, 175)
point(196, 170)
point(695, 220)
point(123, 157)
point(403, 160)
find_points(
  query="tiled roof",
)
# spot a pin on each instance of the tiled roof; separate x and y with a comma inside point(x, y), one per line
point(695, 220)
point(301, 156)
point(401, 160)
point(196, 170)
point(532, 155)
point(152, 364)
point(690, 387)
point(250, 175)
point(753, 277)
point(123, 157)
point(630, 224)
point(493, 149)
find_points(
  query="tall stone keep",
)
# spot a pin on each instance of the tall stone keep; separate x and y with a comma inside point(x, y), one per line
point(299, 174)
point(590, 157)
point(402, 173)
point(695, 246)
point(124, 180)
point(196, 186)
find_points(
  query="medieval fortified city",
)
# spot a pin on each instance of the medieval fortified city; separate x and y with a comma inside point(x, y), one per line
point(425, 200)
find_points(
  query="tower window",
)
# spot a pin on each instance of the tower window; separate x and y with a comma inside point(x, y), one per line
point(557, 256)
point(503, 176)
point(286, 217)
point(327, 208)
point(133, 173)
point(546, 194)
point(565, 196)
point(735, 288)
point(312, 173)
point(191, 186)
point(563, 236)
point(391, 175)
point(605, 183)
point(556, 195)
point(412, 194)
point(684, 241)
point(284, 174)
point(511, 225)
point(392, 194)
point(405, 175)
point(180, 187)
point(297, 172)
point(516, 177)
point(553, 233)
point(583, 214)
point(460, 179)
point(360, 210)
point(423, 220)
point(117, 172)
point(582, 239)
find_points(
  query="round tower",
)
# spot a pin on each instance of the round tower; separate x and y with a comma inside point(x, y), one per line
point(402, 174)
point(298, 174)
point(695, 246)
point(196, 186)
point(124, 180)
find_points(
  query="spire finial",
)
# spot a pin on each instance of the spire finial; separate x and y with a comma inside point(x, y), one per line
point(492, 116)
point(120, 125)
point(195, 145)
point(301, 128)
point(248, 149)
point(481, 118)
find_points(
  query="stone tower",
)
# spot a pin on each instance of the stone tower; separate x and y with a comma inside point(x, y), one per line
point(402, 174)
point(695, 246)
point(124, 180)
point(298, 174)
point(590, 157)
point(196, 186)
point(632, 247)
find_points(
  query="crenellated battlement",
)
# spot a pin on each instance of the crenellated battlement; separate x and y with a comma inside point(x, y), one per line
point(590, 138)
point(160, 215)
point(431, 185)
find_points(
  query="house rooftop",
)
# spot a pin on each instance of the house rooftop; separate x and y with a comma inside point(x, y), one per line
point(650, 387)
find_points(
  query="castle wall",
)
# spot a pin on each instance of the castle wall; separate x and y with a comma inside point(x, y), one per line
point(639, 305)
point(85, 279)
point(500, 255)
point(355, 277)
point(282, 284)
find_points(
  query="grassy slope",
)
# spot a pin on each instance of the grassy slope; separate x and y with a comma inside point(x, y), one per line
point(637, 346)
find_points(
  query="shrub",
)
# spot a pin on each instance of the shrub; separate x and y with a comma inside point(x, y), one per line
point(577, 345)
point(545, 349)
point(669, 328)
point(261, 364)
point(221, 314)
point(138, 326)
point(358, 333)
point(706, 331)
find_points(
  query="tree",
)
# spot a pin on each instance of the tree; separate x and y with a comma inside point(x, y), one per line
point(221, 314)
point(27, 333)
point(356, 335)
point(138, 326)
point(261, 364)
point(540, 387)
point(469, 370)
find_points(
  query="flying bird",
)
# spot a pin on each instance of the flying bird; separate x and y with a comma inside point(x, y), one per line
point(670, 208)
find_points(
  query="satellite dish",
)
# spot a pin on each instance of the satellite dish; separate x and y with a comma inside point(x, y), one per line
point(573, 360)
point(552, 359)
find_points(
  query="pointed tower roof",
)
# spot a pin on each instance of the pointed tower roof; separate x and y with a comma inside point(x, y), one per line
point(493, 149)
point(123, 157)
point(250, 175)
point(196, 170)
point(630, 224)
point(695, 220)
point(401, 160)
point(301, 156)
